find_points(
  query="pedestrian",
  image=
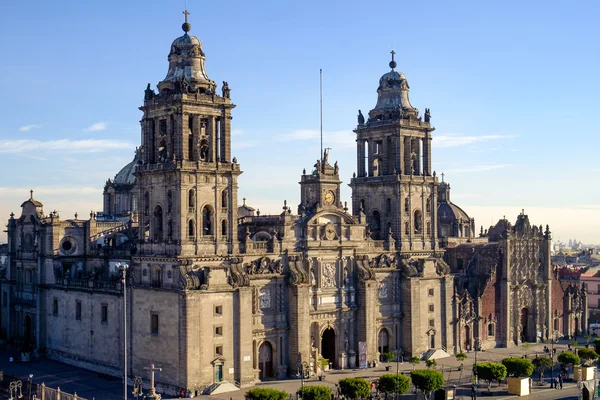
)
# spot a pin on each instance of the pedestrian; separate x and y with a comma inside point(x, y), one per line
point(556, 382)
point(560, 381)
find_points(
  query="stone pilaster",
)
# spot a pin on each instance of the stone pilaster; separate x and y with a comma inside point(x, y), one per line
point(299, 338)
point(244, 372)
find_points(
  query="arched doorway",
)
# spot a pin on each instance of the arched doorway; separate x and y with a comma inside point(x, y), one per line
point(383, 342)
point(524, 327)
point(328, 345)
point(265, 360)
point(467, 337)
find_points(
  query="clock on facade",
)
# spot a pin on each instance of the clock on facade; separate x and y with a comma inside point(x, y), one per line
point(329, 197)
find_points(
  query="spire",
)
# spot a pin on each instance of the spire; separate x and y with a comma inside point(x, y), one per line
point(186, 25)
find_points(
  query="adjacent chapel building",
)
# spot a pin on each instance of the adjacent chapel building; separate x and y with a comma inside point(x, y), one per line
point(218, 293)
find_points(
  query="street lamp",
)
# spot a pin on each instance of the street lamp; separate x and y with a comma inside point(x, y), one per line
point(16, 390)
point(474, 389)
point(123, 268)
point(137, 387)
point(30, 384)
point(303, 372)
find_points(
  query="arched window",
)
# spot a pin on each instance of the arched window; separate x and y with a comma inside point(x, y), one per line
point(158, 223)
point(224, 199)
point(192, 199)
point(207, 221)
point(157, 278)
point(170, 229)
point(491, 329)
point(146, 203)
point(418, 221)
point(388, 205)
point(191, 229)
point(169, 201)
point(376, 223)
point(224, 227)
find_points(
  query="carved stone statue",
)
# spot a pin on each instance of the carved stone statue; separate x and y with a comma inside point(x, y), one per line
point(346, 342)
point(336, 168)
point(427, 115)
point(325, 157)
point(148, 93)
point(183, 85)
point(226, 90)
point(361, 118)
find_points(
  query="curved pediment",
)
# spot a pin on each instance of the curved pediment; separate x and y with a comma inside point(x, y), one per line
point(331, 217)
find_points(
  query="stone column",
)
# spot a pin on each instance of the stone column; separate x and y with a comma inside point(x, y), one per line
point(360, 157)
point(371, 157)
point(225, 138)
point(212, 139)
point(367, 317)
point(299, 339)
point(244, 372)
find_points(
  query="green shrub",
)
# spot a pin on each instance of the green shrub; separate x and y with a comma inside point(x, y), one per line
point(392, 383)
point(427, 380)
point(587, 355)
point(490, 372)
point(461, 356)
point(596, 344)
point(315, 392)
point(388, 357)
point(518, 367)
point(354, 388)
point(431, 363)
point(414, 360)
point(569, 358)
point(265, 394)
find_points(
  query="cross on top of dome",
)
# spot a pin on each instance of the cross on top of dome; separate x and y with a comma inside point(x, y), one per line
point(393, 63)
point(186, 25)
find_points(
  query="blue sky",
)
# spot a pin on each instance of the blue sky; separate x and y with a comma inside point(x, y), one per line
point(512, 87)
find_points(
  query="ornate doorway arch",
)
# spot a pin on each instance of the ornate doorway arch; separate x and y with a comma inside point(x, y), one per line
point(265, 360)
point(328, 345)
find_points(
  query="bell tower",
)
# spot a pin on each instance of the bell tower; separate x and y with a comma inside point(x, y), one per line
point(394, 185)
point(187, 178)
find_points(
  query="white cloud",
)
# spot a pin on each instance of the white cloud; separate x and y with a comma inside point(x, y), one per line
point(341, 138)
point(98, 126)
point(236, 132)
point(477, 168)
point(68, 145)
point(454, 140)
point(27, 128)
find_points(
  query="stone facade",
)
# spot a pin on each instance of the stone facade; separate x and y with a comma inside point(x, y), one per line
point(218, 292)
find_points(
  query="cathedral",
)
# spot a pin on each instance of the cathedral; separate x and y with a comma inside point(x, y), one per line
point(217, 292)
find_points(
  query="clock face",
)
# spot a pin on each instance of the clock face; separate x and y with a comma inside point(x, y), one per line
point(329, 197)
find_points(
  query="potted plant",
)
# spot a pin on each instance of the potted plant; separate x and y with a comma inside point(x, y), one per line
point(519, 370)
point(388, 357)
point(542, 363)
point(414, 360)
point(489, 371)
point(586, 371)
point(568, 358)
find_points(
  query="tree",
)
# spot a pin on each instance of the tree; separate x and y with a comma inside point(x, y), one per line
point(568, 358)
point(490, 371)
point(575, 343)
point(427, 380)
point(414, 360)
point(391, 383)
point(388, 357)
point(355, 388)
point(265, 394)
point(587, 355)
point(315, 392)
point(596, 344)
point(518, 367)
point(461, 356)
point(431, 363)
point(542, 363)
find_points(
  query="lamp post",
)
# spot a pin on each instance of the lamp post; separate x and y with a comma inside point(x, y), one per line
point(475, 370)
point(30, 384)
point(16, 390)
point(123, 268)
point(137, 387)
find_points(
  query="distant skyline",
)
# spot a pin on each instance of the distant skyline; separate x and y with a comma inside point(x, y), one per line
point(512, 87)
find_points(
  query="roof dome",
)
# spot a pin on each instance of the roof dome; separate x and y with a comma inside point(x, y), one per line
point(186, 63)
point(450, 212)
point(392, 96)
point(126, 176)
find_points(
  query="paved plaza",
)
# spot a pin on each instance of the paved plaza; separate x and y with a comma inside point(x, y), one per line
point(94, 387)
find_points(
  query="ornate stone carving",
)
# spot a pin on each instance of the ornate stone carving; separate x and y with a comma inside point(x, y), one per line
point(264, 266)
point(238, 277)
point(384, 261)
point(264, 296)
point(188, 279)
point(383, 289)
point(363, 269)
point(328, 273)
point(298, 273)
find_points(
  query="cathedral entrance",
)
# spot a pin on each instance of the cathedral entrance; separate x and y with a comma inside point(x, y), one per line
point(328, 345)
point(383, 343)
point(265, 360)
point(467, 337)
point(524, 324)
